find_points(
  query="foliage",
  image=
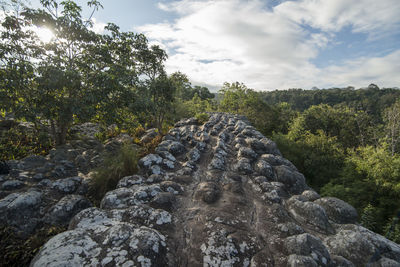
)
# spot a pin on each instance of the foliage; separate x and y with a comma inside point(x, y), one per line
point(115, 167)
point(185, 91)
point(392, 120)
point(17, 143)
point(318, 156)
point(349, 127)
point(343, 153)
point(202, 117)
point(79, 75)
point(149, 147)
point(392, 230)
point(371, 99)
point(369, 217)
point(237, 98)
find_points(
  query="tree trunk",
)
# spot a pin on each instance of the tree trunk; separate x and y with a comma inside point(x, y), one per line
point(59, 132)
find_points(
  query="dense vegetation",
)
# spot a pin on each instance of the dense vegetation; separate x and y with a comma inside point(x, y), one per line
point(345, 141)
point(347, 144)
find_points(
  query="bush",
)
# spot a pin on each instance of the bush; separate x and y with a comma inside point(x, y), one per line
point(17, 144)
point(392, 230)
point(150, 147)
point(115, 167)
point(202, 117)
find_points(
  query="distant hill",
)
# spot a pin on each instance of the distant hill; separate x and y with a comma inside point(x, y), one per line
point(371, 99)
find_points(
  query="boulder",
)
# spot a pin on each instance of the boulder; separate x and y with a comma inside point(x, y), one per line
point(337, 210)
point(66, 208)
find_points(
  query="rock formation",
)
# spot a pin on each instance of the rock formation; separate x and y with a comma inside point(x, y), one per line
point(218, 194)
point(38, 191)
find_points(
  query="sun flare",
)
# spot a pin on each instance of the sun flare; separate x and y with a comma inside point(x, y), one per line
point(45, 35)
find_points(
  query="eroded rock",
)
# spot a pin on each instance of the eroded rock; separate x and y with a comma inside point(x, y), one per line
point(234, 201)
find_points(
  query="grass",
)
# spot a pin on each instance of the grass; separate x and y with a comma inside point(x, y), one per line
point(115, 167)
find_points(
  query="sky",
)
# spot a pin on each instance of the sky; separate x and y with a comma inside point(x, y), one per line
point(270, 44)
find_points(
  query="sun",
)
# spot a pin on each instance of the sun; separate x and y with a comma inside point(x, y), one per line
point(45, 35)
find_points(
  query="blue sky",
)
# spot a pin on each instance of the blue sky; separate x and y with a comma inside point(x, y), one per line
point(270, 44)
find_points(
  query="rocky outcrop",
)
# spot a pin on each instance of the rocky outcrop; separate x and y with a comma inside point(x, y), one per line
point(217, 194)
point(38, 192)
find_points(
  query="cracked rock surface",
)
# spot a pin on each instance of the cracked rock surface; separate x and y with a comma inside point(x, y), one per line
point(217, 194)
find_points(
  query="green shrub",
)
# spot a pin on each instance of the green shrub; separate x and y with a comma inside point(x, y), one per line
point(16, 143)
point(115, 166)
point(202, 117)
point(392, 230)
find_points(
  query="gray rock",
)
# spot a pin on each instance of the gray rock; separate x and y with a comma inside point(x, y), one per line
point(67, 185)
point(45, 182)
point(129, 181)
point(176, 148)
point(155, 169)
point(358, 244)
point(264, 169)
point(243, 166)
point(290, 229)
point(311, 195)
point(217, 163)
point(260, 179)
point(12, 185)
point(207, 213)
point(338, 210)
point(301, 261)
point(149, 160)
point(21, 211)
point(87, 129)
point(125, 197)
point(275, 160)
point(149, 135)
point(309, 213)
point(339, 261)
point(38, 177)
point(32, 162)
point(209, 192)
point(293, 180)
point(193, 155)
point(307, 245)
point(245, 152)
point(164, 200)
point(67, 207)
point(184, 122)
point(166, 155)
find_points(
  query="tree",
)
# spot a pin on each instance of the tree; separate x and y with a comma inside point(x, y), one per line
point(392, 120)
point(76, 76)
point(162, 96)
point(182, 84)
point(237, 98)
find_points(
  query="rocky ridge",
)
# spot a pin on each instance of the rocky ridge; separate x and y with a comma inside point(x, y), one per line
point(217, 194)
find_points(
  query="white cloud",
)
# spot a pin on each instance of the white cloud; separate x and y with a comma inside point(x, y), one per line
point(367, 16)
point(362, 71)
point(98, 26)
point(214, 41)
